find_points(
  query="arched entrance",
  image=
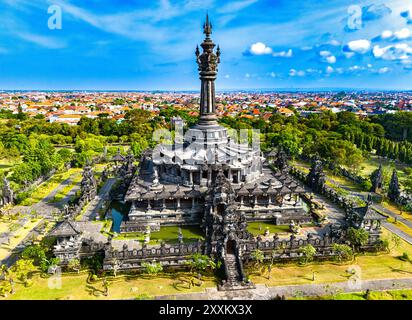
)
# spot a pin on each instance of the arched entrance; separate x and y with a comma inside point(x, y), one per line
point(230, 247)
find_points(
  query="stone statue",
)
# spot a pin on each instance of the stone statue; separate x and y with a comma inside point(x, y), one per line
point(394, 190)
point(377, 179)
point(180, 235)
point(316, 177)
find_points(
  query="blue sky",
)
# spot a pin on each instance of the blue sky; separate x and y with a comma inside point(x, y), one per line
point(144, 45)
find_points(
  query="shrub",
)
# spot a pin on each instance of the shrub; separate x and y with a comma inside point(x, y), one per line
point(405, 257)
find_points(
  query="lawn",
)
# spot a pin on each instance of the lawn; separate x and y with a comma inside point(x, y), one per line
point(63, 192)
point(382, 266)
point(258, 228)
point(375, 295)
point(123, 287)
point(167, 234)
point(370, 165)
point(18, 236)
point(44, 189)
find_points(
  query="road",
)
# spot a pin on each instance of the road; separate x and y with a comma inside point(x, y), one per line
point(262, 292)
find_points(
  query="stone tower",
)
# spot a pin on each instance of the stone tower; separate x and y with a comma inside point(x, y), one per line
point(207, 62)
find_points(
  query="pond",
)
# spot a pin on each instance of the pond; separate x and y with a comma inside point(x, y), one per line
point(119, 212)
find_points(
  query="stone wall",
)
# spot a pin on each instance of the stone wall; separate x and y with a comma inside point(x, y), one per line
point(167, 255)
point(327, 191)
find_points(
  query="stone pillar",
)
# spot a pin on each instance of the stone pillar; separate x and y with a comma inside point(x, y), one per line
point(193, 203)
point(148, 204)
point(209, 177)
point(178, 203)
point(230, 175)
point(190, 177)
point(269, 199)
point(164, 204)
point(241, 200)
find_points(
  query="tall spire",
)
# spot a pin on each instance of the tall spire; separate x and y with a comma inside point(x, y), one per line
point(207, 62)
point(207, 27)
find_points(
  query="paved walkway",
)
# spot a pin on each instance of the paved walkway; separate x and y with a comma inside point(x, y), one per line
point(390, 226)
point(44, 209)
point(94, 206)
point(262, 292)
point(392, 214)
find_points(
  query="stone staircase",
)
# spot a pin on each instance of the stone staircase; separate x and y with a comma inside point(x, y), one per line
point(233, 276)
point(234, 279)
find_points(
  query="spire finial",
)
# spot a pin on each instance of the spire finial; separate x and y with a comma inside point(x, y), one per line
point(207, 26)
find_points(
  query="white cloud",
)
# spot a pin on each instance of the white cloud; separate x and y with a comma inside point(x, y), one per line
point(329, 70)
point(236, 6)
point(283, 54)
point(399, 51)
point(227, 76)
point(360, 46)
point(273, 75)
point(402, 34)
point(324, 53)
point(383, 70)
point(349, 54)
point(294, 72)
point(334, 43)
point(306, 48)
point(356, 68)
point(386, 34)
point(260, 48)
point(247, 75)
point(331, 59)
point(327, 56)
point(47, 42)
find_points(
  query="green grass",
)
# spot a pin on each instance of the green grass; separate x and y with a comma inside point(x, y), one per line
point(76, 287)
point(63, 192)
point(372, 266)
point(253, 228)
point(44, 189)
point(374, 295)
point(370, 165)
point(167, 234)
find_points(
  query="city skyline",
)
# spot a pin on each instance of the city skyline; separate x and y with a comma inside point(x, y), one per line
point(265, 44)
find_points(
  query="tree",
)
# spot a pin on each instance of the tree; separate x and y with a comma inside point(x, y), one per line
point(22, 268)
point(257, 256)
point(407, 183)
point(396, 241)
point(308, 252)
point(201, 262)
point(357, 237)
point(152, 268)
point(74, 264)
point(342, 251)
